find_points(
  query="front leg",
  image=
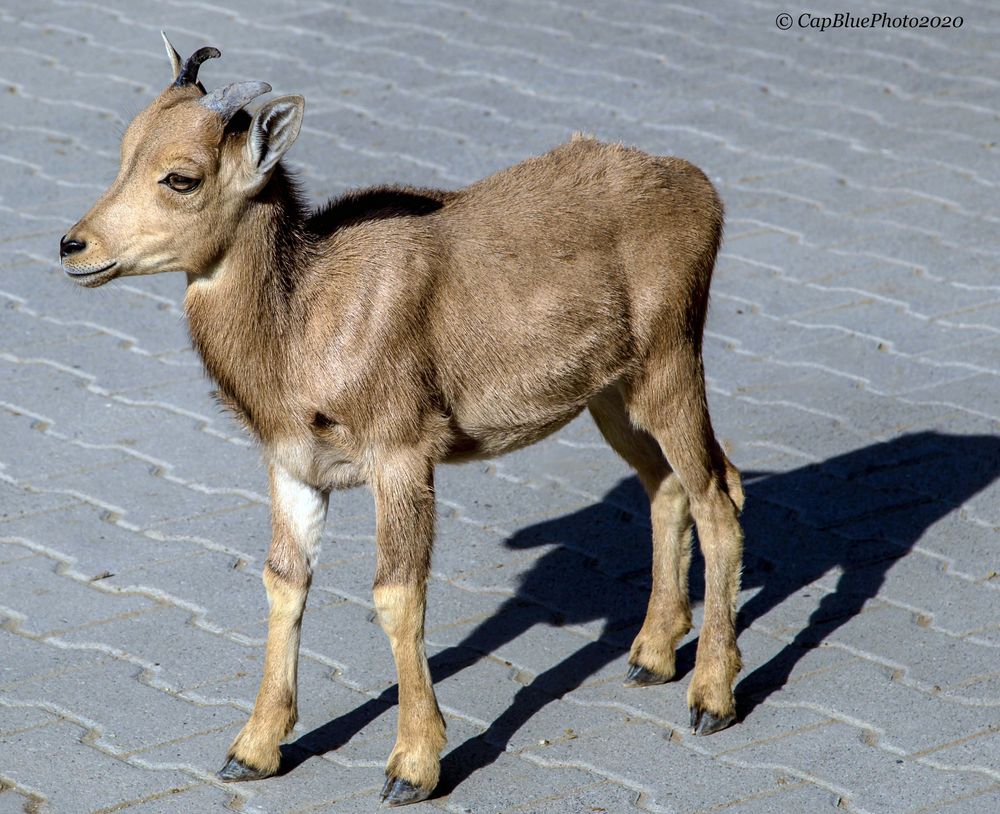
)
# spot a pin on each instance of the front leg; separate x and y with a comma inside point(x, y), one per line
point(404, 505)
point(297, 514)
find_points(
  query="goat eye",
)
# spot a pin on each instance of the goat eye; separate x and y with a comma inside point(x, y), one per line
point(181, 183)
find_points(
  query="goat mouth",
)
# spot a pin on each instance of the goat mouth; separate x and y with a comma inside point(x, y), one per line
point(83, 276)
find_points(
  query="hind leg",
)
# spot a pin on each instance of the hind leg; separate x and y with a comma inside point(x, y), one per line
point(670, 404)
point(668, 615)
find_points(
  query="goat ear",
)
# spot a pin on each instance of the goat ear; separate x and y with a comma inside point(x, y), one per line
point(273, 130)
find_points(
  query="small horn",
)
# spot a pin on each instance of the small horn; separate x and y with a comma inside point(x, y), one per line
point(231, 99)
point(175, 58)
point(189, 72)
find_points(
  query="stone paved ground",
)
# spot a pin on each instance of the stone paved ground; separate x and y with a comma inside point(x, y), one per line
point(853, 358)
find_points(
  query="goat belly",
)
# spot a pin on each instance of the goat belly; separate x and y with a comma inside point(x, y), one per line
point(472, 442)
point(530, 369)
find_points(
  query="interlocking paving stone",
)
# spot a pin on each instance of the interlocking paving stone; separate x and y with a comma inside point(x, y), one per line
point(851, 355)
point(16, 719)
point(11, 802)
point(132, 712)
point(870, 697)
point(196, 797)
point(84, 775)
point(829, 755)
point(164, 638)
point(599, 798)
point(673, 777)
point(19, 502)
point(977, 751)
point(206, 583)
point(793, 797)
point(955, 606)
point(28, 660)
point(54, 603)
point(499, 781)
point(48, 455)
point(986, 800)
point(102, 548)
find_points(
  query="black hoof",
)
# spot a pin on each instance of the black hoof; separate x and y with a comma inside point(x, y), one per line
point(639, 676)
point(234, 772)
point(704, 722)
point(399, 792)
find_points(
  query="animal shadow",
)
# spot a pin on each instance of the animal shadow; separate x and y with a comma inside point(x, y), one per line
point(856, 513)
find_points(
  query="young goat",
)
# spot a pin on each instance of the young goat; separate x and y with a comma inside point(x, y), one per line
point(400, 328)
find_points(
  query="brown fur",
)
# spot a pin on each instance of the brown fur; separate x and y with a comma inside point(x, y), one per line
point(421, 727)
point(399, 328)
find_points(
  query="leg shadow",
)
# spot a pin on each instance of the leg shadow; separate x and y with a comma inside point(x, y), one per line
point(858, 513)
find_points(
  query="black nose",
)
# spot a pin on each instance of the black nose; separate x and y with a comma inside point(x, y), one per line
point(68, 247)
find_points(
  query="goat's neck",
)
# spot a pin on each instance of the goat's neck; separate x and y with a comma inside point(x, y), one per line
point(241, 309)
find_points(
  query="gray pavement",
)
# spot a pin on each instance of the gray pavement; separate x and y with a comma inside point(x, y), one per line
point(853, 360)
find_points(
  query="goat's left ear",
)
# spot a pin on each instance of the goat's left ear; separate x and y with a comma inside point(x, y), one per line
point(273, 130)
